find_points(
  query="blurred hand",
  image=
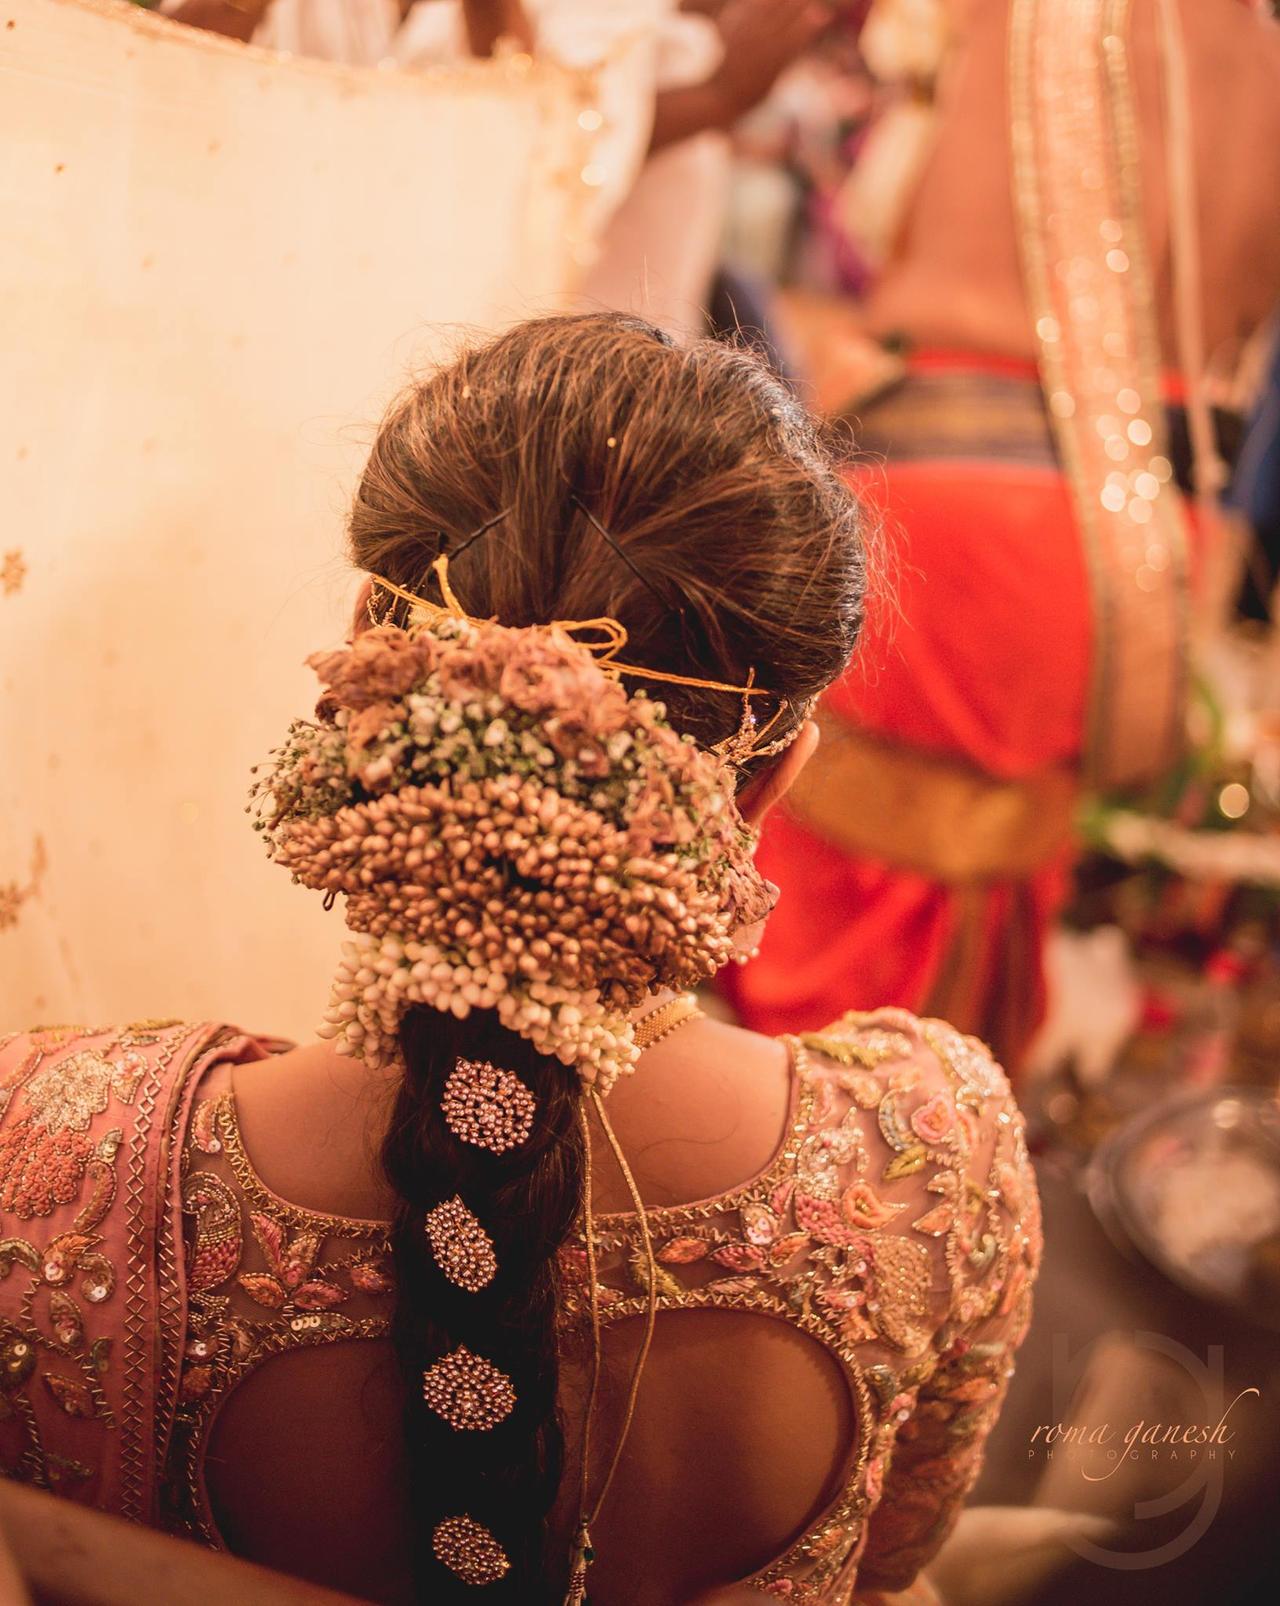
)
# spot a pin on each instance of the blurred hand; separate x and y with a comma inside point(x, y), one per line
point(236, 21)
point(487, 21)
point(761, 38)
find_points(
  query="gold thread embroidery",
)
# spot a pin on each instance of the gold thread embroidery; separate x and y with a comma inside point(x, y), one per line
point(297, 1299)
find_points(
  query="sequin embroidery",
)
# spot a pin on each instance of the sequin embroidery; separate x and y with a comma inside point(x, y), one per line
point(886, 1230)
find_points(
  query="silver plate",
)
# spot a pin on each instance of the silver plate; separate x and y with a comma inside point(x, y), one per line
point(1194, 1186)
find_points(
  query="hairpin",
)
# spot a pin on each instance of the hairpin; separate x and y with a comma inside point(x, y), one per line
point(468, 1392)
point(619, 551)
point(475, 535)
point(486, 1106)
point(469, 1550)
point(396, 593)
point(463, 1250)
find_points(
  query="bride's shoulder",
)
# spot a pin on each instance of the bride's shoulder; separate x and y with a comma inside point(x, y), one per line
point(923, 1096)
point(893, 1046)
point(922, 1082)
point(701, 1111)
point(118, 1051)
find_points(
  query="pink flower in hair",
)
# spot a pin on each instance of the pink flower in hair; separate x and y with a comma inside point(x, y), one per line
point(380, 665)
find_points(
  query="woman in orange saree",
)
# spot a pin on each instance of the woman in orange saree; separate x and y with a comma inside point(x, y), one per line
point(1037, 643)
point(934, 835)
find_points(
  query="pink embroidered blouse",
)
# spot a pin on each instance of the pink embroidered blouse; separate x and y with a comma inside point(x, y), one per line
point(147, 1270)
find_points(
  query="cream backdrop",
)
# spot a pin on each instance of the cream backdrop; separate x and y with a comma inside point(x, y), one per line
point(219, 263)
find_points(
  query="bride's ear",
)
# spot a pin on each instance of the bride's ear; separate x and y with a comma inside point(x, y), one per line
point(778, 779)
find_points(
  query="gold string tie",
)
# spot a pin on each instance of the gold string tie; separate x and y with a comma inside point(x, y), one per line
point(610, 636)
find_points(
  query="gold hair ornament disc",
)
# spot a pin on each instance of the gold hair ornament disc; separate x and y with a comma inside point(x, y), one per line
point(463, 1250)
point(488, 1107)
point(468, 1392)
point(469, 1551)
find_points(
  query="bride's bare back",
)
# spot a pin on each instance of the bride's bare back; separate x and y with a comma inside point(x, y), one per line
point(709, 1456)
point(748, 1425)
point(957, 280)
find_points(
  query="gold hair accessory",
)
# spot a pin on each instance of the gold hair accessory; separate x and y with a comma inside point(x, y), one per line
point(488, 1107)
point(469, 1551)
point(463, 1250)
point(661, 1022)
point(604, 638)
point(468, 1392)
point(741, 746)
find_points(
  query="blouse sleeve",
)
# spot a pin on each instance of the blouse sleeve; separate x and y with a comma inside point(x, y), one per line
point(991, 1257)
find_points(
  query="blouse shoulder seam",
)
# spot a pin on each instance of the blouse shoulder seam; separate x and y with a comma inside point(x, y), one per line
point(264, 1198)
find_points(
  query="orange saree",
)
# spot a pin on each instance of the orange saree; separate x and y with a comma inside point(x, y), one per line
point(927, 849)
point(1043, 642)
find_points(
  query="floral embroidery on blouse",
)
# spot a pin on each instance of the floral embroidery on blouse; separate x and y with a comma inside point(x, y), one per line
point(48, 1161)
point(897, 1226)
point(263, 1276)
point(45, 1152)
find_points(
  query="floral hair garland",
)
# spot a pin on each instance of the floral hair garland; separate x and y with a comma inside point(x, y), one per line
point(513, 831)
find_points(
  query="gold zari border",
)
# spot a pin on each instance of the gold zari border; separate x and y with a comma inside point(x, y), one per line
point(1077, 192)
point(932, 814)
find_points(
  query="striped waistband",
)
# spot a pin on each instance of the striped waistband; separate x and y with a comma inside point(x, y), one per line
point(951, 412)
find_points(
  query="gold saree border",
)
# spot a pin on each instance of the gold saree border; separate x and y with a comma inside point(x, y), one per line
point(935, 815)
point(1076, 183)
point(144, 1341)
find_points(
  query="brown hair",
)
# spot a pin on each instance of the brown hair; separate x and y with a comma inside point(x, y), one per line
point(685, 492)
